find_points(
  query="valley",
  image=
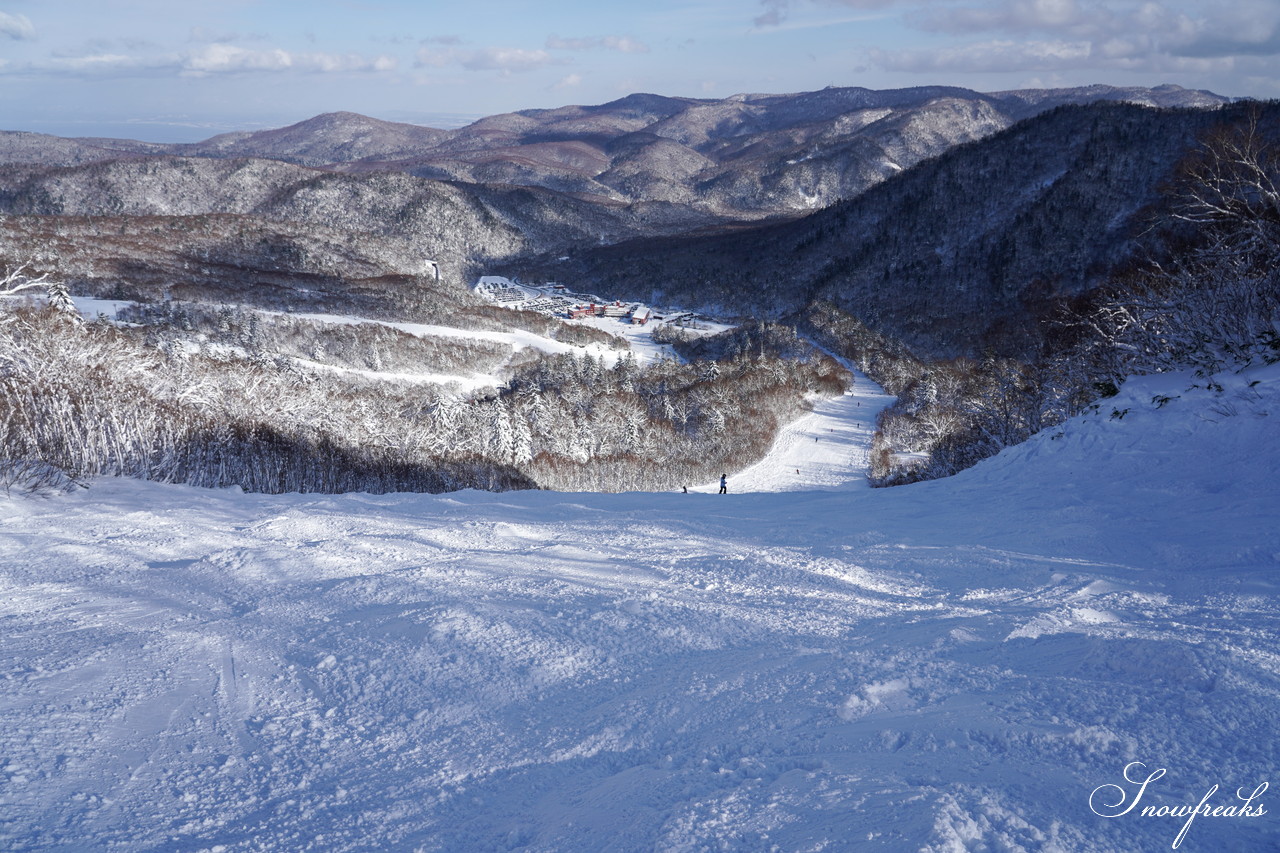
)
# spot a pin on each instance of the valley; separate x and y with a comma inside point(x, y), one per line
point(983, 228)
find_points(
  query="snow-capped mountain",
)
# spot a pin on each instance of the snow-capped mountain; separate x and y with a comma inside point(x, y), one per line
point(957, 255)
point(564, 180)
point(745, 156)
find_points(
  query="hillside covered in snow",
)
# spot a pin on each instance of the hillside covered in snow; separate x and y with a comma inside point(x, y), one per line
point(973, 663)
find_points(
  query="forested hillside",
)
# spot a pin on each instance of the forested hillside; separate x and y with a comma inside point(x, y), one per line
point(460, 227)
point(744, 157)
point(276, 402)
point(959, 256)
point(997, 289)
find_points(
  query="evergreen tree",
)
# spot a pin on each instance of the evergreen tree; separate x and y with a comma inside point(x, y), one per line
point(60, 300)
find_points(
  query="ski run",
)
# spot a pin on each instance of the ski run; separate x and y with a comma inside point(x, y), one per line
point(1070, 647)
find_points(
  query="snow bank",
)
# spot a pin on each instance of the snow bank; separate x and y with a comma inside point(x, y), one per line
point(953, 665)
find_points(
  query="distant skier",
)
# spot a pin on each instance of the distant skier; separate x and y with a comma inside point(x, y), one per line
point(724, 484)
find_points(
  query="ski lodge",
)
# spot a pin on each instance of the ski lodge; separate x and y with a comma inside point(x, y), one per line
point(639, 314)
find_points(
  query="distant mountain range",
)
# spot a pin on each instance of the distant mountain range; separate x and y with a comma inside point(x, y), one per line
point(741, 157)
point(991, 184)
point(964, 254)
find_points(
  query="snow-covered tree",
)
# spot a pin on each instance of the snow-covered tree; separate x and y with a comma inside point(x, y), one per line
point(1214, 297)
point(60, 300)
point(17, 281)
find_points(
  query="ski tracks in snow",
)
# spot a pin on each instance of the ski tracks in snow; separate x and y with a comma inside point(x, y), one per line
point(824, 450)
point(578, 672)
point(945, 666)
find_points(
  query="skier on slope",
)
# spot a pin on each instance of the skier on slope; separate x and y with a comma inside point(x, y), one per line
point(724, 484)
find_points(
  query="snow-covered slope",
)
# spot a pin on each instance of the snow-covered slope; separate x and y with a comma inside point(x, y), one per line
point(827, 449)
point(955, 665)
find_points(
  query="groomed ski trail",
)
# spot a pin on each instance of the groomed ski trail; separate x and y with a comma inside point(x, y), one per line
point(828, 449)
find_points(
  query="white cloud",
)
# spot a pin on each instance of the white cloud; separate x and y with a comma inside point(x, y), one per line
point(98, 63)
point(1156, 32)
point(17, 27)
point(1156, 36)
point(571, 81)
point(1174, 27)
point(777, 11)
point(221, 58)
point(991, 56)
point(1014, 16)
point(504, 59)
point(1244, 27)
point(622, 44)
point(208, 60)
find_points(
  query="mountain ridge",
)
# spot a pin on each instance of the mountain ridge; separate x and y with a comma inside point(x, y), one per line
point(960, 252)
point(745, 156)
point(585, 181)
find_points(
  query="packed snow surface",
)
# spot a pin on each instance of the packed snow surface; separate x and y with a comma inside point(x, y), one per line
point(978, 663)
point(826, 449)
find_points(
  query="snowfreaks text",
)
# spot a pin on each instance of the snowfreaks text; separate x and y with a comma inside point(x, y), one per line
point(1113, 801)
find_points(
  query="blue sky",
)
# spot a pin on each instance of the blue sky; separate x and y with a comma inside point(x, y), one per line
point(169, 70)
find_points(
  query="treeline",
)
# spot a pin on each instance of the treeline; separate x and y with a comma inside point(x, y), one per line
point(359, 345)
point(585, 427)
point(84, 400)
point(213, 396)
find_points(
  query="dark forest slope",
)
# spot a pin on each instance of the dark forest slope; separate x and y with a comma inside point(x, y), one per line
point(953, 255)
